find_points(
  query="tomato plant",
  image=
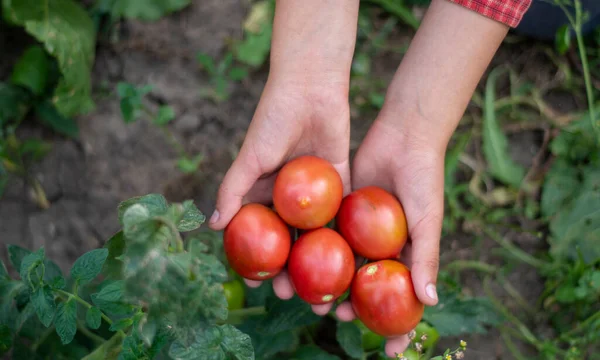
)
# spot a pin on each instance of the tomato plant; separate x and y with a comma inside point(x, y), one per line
point(384, 299)
point(321, 266)
point(370, 340)
point(307, 193)
point(235, 294)
point(257, 242)
point(372, 221)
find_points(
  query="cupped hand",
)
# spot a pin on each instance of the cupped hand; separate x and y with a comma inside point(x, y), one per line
point(411, 166)
point(293, 118)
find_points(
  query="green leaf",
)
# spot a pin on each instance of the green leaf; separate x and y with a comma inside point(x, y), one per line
point(287, 315)
point(190, 165)
point(207, 63)
point(399, 10)
point(133, 348)
point(156, 204)
point(560, 184)
point(50, 116)
point(349, 337)
point(29, 263)
point(110, 298)
point(14, 103)
point(43, 303)
point(66, 321)
point(68, 33)
point(238, 73)
point(109, 350)
point(147, 10)
point(16, 255)
point(32, 70)
point(6, 339)
point(131, 100)
point(217, 342)
point(452, 159)
point(3, 272)
point(495, 144)
point(93, 317)
point(255, 47)
point(192, 217)
point(88, 265)
point(121, 324)
point(361, 64)
point(312, 352)
point(113, 266)
point(454, 315)
point(562, 40)
point(164, 116)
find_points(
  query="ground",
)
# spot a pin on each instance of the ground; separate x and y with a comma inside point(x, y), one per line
point(85, 179)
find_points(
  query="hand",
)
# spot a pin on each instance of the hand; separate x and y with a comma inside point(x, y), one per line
point(291, 120)
point(410, 168)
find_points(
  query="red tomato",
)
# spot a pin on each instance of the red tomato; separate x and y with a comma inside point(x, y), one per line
point(307, 192)
point(257, 242)
point(384, 299)
point(373, 223)
point(321, 266)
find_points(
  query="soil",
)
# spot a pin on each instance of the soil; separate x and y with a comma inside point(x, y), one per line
point(85, 179)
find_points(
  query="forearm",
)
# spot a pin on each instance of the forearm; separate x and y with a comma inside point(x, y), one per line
point(313, 40)
point(440, 71)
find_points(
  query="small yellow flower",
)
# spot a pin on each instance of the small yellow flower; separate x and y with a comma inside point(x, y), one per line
point(448, 357)
point(463, 344)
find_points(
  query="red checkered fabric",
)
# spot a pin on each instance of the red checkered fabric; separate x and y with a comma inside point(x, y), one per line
point(509, 12)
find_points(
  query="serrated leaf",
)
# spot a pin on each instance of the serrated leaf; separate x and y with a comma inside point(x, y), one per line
point(133, 349)
point(50, 116)
point(215, 343)
point(113, 266)
point(156, 204)
point(192, 218)
point(255, 47)
point(148, 10)
point(68, 33)
point(139, 226)
point(66, 321)
point(287, 315)
point(42, 300)
point(16, 255)
point(29, 264)
point(349, 336)
point(6, 339)
point(495, 144)
point(559, 186)
point(110, 298)
point(454, 315)
point(88, 265)
point(53, 274)
point(121, 324)
point(31, 70)
point(312, 352)
point(93, 318)
point(164, 115)
point(131, 98)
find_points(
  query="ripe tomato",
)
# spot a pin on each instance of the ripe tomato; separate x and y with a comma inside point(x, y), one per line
point(373, 223)
point(384, 299)
point(370, 340)
point(235, 294)
point(257, 242)
point(307, 192)
point(321, 266)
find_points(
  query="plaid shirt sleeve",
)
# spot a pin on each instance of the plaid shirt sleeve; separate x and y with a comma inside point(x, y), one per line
point(509, 12)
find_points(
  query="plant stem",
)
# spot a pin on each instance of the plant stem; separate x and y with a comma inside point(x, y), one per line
point(86, 304)
point(85, 331)
point(459, 265)
point(514, 250)
point(39, 341)
point(511, 346)
point(40, 194)
point(178, 240)
point(580, 326)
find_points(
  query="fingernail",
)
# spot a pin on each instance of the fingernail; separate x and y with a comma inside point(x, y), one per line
point(431, 292)
point(214, 217)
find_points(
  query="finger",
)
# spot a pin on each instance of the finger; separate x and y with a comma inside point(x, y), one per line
point(343, 169)
point(282, 286)
point(252, 283)
point(345, 312)
point(262, 191)
point(396, 345)
point(238, 180)
point(322, 309)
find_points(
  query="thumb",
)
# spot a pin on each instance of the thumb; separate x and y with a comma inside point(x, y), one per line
point(238, 181)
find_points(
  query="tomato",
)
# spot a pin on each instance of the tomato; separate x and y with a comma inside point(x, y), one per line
point(432, 334)
point(307, 192)
point(257, 242)
point(372, 221)
point(235, 294)
point(370, 340)
point(320, 266)
point(384, 299)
